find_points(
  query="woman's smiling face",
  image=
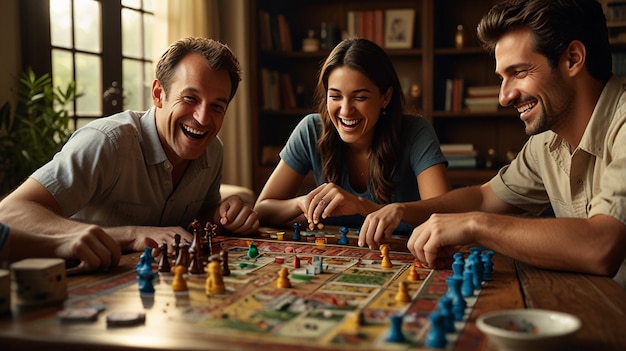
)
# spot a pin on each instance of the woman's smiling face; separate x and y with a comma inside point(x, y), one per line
point(354, 104)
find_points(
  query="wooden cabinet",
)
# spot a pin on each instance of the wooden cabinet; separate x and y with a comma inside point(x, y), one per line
point(431, 59)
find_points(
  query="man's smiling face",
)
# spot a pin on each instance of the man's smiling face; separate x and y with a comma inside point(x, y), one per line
point(191, 113)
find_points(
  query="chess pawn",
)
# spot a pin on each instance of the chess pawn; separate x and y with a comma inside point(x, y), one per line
point(214, 281)
point(164, 260)
point(403, 294)
point(413, 275)
point(179, 283)
point(283, 279)
point(224, 260)
point(384, 253)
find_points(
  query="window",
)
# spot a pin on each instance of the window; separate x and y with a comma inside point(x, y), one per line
point(105, 46)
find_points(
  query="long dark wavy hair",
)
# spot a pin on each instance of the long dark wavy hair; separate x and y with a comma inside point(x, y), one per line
point(368, 58)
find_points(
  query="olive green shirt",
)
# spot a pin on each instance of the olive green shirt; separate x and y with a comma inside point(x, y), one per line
point(589, 181)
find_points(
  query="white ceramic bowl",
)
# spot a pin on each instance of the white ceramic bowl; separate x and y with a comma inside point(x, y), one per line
point(528, 329)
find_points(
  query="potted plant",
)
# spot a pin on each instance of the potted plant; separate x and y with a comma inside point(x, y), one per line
point(34, 129)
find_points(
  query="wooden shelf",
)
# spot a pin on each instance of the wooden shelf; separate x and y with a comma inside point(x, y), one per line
point(431, 59)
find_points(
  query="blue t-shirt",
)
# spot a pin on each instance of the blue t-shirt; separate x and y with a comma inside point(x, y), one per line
point(420, 151)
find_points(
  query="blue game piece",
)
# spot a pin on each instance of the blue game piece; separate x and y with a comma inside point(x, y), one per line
point(436, 337)
point(395, 330)
point(488, 265)
point(343, 240)
point(477, 267)
point(445, 308)
point(296, 232)
point(458, 264)
point(146, 276)
point(467, 287)
point(458, 302)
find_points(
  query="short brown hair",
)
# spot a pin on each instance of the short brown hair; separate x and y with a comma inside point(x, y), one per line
point(218, 56)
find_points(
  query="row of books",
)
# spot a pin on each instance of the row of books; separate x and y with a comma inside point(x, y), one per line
point(475, 98)
point(369, 24)
point(275, 33)
point(278, 91)
point(460, 155)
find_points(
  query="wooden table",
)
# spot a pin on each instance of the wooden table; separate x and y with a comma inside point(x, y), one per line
point(598, 301)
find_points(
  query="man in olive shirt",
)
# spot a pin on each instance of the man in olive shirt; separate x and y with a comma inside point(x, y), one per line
point(554, 60)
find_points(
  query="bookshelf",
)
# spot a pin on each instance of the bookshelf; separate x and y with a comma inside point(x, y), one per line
point(430, 58)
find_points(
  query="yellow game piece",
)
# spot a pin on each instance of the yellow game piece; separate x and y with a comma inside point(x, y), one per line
point(413, 275)
point(179, 283)
point(403, 293)
point(280, 235)
point(214, 280)
point(283, 279)
point(311, 226)
point(384, 253)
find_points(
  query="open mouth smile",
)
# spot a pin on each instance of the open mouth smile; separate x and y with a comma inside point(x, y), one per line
point(192, 132)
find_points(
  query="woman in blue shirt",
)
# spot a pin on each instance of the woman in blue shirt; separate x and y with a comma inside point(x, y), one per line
point(363, 150)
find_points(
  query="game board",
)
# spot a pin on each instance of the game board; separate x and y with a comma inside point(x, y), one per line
point(347, 306)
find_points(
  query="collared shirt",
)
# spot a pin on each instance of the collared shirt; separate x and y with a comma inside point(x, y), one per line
point(114, 172)
point(582, 183)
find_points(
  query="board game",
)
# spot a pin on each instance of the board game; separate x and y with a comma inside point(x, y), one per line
point(337, 297)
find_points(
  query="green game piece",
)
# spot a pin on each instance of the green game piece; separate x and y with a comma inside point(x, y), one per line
point(301, 277)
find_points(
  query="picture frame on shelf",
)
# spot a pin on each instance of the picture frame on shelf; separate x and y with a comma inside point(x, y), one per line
point(399, 24)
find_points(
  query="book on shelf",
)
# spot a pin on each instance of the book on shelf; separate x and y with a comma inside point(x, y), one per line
point(453, 95)
point(367, 24)
point(482, 98)
point(460, 155)
point(483, 91)
point(274, 32)
point(278, 91)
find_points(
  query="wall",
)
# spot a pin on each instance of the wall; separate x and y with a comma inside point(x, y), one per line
point(10, 65)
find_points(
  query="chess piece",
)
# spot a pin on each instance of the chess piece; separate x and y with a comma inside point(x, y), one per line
point(413, 275)
point(444, 306)
point(343, 240)
point(224, 260)
point(253, 251)
point(488, 265)
point(195, 264)
point(296, 232)
point(179, 283)
point(177, 239)
point(183, 256)
point(214, 280)
point(384, 253)
point(145, 276)
point(395, 330)
point(403, 294)
point(436, 337)
point(283, 279)
point(164, 260)
point(458, 302)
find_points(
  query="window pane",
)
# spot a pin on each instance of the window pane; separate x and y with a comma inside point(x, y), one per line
point(60, 23)
point(148, 21)
point(148, 5)
point(87, 25)
point(132, 3)
point(147, 85)
point(132, 78)
point(88, 83)
point(62, 63)
point(131, 33)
